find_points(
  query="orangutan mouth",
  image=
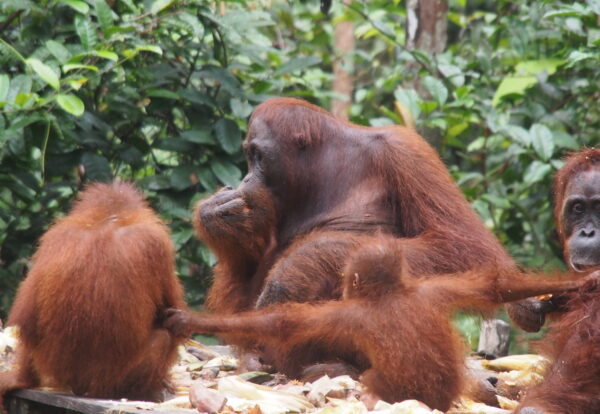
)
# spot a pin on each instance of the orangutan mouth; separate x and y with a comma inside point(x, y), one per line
point(581, 268)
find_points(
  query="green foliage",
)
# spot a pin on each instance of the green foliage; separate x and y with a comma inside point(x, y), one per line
point(159, 92)
point(515, 91)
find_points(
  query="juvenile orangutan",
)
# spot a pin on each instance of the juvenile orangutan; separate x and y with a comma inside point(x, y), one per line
point(89, 310)
point(395, 328)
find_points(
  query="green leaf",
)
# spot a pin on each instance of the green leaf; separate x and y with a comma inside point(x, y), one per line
point(208, 257)
point(198, 136)
point(181, 177)
point(149, 48)
point(181, 237)
point(77, 83)
point(241, 109)
point(574, 25)
point(518, 134)
point(86, 31)
point(226, 172)
point(227, 81)
point(19, 123)
point(534, 67)
point(106, 54)
point(162, 93)
point(70, 103)
point(577, 56)
point(159, 5)
point(593, 38)
point(20, 84)
point(457, 129)
point(157, 182)
point(208, 180)
point(196, 97)
point(104, 15)
point(175, 144)
point(132, 6)
point(228, 135)
point(564, 140)
point(77, 5)
point(297, 64)
point(542, 141)
point(496, 201)
point(44, 72)
point(513, 85)
point(57, 50)
point(436, 88)
point(536, 171)
point(96, 167)
point(410, 99)
point(594, 5)
point(476, 144)
point(72, 66)
point(576, 9)
point(453, 73)
point(4, 86)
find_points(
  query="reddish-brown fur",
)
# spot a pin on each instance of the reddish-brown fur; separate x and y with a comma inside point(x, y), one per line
point(89, 309)
point(573, 383)
point(396, 328)
point(318, 187)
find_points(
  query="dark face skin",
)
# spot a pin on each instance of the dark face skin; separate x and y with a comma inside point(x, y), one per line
point(267, 160)
point(581, 214)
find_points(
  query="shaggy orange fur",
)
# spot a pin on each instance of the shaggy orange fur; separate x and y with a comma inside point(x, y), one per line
point(89, 309)
point(394, 327)
point(573, 383)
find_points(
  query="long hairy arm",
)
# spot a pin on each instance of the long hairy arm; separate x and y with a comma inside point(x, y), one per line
point(486, 288)
point(301, 320)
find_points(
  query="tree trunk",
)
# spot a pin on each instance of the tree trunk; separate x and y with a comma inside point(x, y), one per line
point(427, 25)
point(426, 30)
point(342, 75)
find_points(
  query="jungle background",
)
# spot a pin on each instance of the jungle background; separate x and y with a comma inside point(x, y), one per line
point(159, 92)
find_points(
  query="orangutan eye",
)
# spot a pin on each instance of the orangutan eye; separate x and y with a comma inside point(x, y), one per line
point(578, 207)
point(257, 155)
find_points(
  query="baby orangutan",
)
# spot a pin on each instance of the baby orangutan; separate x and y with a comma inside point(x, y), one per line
point(397, 327)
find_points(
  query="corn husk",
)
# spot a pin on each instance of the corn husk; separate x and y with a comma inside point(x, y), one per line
point(204, 351)
point(256, 377)
point(330, 387)
point(467, 406)
point(507, 403)
point(8, 339)
point(404, 407)
point(186, 357)
point(520, 378)
point(244, 395)
point(339, 406)
point(177, 402)
point(223, 363)
point(526, 362)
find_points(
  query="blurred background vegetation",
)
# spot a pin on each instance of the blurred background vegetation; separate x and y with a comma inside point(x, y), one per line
point(159, 92)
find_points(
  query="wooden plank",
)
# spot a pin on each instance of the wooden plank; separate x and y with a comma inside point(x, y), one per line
point(19, 401)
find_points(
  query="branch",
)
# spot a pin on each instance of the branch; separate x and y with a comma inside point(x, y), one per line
point(416, 56)
point(10, 19)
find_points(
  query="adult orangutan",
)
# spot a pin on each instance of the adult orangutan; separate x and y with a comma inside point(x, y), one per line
point(573, 383)
point(89, 310)
point(316, 188)
point(395, 328)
